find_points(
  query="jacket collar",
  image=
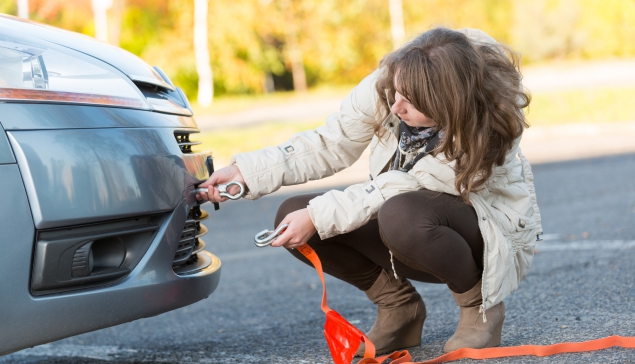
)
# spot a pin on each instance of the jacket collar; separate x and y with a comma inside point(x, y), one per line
point(391, 123)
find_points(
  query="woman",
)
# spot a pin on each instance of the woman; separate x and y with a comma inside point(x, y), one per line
point(446, 201)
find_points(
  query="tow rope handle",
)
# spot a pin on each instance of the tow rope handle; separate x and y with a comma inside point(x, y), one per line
point(404, 357)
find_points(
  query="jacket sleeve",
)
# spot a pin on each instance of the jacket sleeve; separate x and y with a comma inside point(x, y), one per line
point(339, 212)
point(314, 154)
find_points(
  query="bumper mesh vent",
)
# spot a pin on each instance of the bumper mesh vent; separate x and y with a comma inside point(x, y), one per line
point(191, 243)
point(183, 139)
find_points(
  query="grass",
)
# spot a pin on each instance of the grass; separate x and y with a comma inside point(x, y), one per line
point(599, 105)
point(230, 141)
point(228, 104)
point(547, 108)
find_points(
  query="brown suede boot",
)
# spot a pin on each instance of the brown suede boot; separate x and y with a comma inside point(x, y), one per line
point(400, 314)
point(472, 332)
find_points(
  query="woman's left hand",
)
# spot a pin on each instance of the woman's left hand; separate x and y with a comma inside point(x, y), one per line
point(299, 231)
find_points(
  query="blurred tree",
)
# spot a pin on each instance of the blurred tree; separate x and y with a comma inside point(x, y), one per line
point(9, 7)
point(74, 15)
point(23, 9)
point(260, 45)
point(396, 23)
point(201, 54)
point(545, 29)
point(115, 18)
point(100, 11)
point(492, 16)
point(293, 53)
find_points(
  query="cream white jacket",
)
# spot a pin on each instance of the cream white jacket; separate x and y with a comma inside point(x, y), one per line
point(506, 207)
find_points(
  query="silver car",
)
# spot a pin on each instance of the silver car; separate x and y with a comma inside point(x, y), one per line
point(99, 224)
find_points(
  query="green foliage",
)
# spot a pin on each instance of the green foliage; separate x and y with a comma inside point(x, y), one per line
point(592, 105)
point(8, 7)
point(340, 42)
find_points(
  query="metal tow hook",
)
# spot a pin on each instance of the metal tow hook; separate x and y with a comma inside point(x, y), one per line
point(223, 190)
point(266, 237)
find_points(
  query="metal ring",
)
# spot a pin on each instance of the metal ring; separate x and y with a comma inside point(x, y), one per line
point(266, 237)
point(223, 190)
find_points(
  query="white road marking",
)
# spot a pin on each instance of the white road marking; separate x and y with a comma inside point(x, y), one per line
point(585, 245)
point(550, 237)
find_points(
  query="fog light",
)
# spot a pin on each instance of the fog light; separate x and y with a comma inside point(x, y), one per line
point(107, 254)
point(98, 256)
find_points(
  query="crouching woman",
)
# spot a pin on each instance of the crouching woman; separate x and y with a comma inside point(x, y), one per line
point(450, 198)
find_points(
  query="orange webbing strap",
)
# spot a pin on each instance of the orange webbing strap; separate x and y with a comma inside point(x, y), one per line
point(312, 256)
point(403, 357)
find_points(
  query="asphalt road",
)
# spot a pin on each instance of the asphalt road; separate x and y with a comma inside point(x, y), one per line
point(266, 309)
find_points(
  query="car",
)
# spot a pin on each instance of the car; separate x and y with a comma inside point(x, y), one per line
point(99, 222)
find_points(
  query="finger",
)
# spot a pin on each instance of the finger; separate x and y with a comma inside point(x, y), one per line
point(215, 195)
point(211, 181)
point(282, 239)
point(233, 189)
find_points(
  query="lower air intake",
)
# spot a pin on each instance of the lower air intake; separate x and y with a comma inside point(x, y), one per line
point(190, 243)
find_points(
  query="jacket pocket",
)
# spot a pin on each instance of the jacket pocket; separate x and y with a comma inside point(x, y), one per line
point(513, 222)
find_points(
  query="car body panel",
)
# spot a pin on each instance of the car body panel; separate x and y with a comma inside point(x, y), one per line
point(53, 116)
point(80, 176)
point(150, 289)
point(6, 155)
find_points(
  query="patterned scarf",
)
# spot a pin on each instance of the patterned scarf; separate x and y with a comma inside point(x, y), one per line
point(413, 139)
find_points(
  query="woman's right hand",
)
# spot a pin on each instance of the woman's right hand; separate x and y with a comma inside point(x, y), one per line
point(219, 177)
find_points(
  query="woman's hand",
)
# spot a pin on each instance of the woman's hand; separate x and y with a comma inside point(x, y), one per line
point(221, 176)
point(300, 230)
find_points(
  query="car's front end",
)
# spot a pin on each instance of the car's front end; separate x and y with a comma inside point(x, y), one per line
point(99, 223)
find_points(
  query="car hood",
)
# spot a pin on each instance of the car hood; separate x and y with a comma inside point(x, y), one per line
point(129, 64)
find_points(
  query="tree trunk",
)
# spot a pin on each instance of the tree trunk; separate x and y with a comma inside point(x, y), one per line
point(100, 9)
point(297, 64)
point(396, 23)
point(115, 16)
point(23, 9)
point(292, 47)
point(201, 54)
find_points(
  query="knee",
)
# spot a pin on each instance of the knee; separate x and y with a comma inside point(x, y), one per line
point(404, 219)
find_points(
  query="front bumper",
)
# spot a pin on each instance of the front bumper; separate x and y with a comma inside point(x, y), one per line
point(86, 175)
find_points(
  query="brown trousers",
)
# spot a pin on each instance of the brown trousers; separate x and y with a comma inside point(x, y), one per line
point(433, 236)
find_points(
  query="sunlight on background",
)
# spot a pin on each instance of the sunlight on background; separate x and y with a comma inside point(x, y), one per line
point(267, 55)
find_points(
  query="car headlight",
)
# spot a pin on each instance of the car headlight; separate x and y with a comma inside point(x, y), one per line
point(37, 71)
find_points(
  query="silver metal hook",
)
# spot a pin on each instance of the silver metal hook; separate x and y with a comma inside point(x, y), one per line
point(222, 189)
point(266, 237)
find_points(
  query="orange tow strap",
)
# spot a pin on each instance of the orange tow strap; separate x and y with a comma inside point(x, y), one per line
point(343, 338)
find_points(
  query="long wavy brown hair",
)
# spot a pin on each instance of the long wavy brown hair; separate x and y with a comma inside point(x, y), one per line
point(472, 90)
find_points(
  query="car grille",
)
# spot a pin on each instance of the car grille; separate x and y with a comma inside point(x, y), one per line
point(183, 139)
point(189, 257)
point(191, 243)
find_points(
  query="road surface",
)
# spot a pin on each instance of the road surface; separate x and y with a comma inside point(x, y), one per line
point(266, 309)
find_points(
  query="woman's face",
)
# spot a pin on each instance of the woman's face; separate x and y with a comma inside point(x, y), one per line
point(407, 112)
